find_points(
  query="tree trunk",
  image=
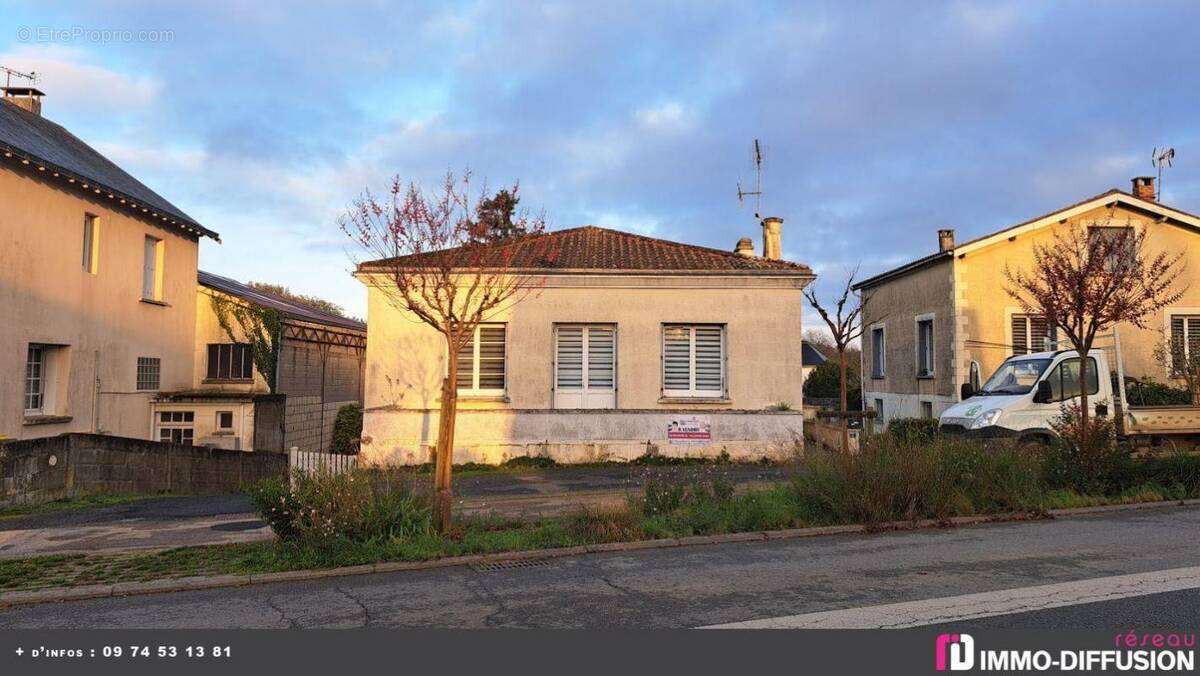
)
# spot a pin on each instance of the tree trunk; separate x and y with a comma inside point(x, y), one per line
point(844, 403)
point(1083, 396)
point(443, 498)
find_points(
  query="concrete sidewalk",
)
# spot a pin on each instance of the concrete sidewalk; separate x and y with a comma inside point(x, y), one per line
point(167, 522)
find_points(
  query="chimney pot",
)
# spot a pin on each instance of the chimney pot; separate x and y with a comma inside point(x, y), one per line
point(28, 98)
point(772, 237)
point(945, 240)
point(745, 247)
point(1143, 188)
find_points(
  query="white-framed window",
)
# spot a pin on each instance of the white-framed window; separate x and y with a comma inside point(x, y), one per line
point(224, 421)
point(152, 269)
point(35, 379)
point(1185, 341)
point(1122, 256)
point(91, 244)
point(585, 366)
point(693, 360)
point(878, 351)
point(481, 362)
point(925, 344)
point(148, 373)
point(176, 427)
point(230, 361)
point(1032, 333)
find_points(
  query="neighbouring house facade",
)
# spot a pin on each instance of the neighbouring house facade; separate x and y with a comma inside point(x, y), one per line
point(810, 359)
point(945, 319)
point(230, 404)
point(97, 285)
point(631, 346)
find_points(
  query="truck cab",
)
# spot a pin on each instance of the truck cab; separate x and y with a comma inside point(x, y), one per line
point(1026, 393)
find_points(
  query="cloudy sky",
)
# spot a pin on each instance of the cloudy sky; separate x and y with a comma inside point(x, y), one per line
point(881, 122)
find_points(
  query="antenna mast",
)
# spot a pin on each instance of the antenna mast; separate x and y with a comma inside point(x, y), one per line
point(758, 191)
point(9, 73)
point(1161, 158)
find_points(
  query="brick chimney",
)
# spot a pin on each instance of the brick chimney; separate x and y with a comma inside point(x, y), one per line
point(772, 237)
point(26, 97)
point(945, 240)
point(745, 247)
point(1143, 188)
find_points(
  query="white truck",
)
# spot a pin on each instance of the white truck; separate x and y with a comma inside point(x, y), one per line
point(1028, 391)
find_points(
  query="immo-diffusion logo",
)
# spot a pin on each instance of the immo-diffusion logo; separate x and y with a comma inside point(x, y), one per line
point(958, 648)
point(1150, 652)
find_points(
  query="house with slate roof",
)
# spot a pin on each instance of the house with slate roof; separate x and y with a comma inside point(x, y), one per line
point(632, 345)
point(97, 284)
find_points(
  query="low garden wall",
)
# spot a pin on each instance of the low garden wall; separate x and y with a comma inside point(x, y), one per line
point(33, 471)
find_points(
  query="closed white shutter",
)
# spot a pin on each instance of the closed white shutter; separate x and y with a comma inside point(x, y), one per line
point(585, 366)
point(601, 352)
point(149, 268)
point(466, 366)
point(709, 360)
point(570, 358)
point(677, 359)
point(491, 358)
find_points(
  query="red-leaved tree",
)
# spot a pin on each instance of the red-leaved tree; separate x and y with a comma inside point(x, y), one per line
point(434, 260)
point(1088, 279)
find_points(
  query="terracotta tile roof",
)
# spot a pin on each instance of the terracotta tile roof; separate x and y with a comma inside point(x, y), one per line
point(36, 139)
point(590, 248)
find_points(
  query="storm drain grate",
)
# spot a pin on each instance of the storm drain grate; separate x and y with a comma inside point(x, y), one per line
point(512, 564)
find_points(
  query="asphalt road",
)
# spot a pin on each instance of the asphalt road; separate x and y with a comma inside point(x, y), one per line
point(705, 585)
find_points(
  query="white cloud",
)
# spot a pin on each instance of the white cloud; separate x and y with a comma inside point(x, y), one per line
point(665, 117)
point(71, 82)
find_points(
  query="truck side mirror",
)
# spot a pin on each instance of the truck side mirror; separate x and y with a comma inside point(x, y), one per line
point(1044, 393)
point(966, 392)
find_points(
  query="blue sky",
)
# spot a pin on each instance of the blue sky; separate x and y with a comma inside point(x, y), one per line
point(882, 122)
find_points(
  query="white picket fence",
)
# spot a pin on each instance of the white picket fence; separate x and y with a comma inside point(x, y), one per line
point(313, 461)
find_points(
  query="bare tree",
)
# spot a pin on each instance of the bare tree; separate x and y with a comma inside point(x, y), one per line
point(845, 327)
point(1089, 279)
point(434, 261)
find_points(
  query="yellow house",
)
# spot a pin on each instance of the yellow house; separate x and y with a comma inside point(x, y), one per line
point(97, 284)
point(632, 345)
point(945, 319)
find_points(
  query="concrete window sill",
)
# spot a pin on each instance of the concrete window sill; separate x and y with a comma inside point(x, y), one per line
point(499, 399)
point(694, 400)
point(151, 301)
point(227, 381)
point(46, 419)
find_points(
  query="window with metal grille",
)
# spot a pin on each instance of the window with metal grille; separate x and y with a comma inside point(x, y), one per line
point(878, 347)
point(481, 362)
point(148, 373)
point(35, 379)
point(230, 361)
point(925, 348)
point(176, 427)
point(1185, 343)
point(694, 360)
point(1031, 333)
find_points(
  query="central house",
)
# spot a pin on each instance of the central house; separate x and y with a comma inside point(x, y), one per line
point(631, 346)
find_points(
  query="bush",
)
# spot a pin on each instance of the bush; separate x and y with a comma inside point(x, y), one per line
point(347, 430)
point(1091, 462)
point(604, 524)
point(895, 479)
point(913, 430)
point(537, 461)
point(1147, 392)
point(360, 505)
point(663, 493)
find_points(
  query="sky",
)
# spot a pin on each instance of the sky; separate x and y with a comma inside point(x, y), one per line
point(881, 122)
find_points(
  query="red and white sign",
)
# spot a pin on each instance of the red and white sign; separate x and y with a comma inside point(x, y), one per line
point(695, 429)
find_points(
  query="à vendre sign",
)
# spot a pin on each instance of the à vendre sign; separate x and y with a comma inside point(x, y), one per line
point(692, 429)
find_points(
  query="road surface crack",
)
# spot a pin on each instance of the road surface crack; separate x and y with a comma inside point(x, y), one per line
point(365, 611)
point(291, 623)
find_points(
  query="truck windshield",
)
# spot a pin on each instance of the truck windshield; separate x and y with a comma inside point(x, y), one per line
point(1015, 376)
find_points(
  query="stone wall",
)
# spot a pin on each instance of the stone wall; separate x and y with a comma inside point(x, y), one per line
point(318, 379)
point(309, 423)
point(40, 470)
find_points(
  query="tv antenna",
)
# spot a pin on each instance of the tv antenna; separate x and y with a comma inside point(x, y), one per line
point(758, 191)
point(9, 73)
point(1161, 158)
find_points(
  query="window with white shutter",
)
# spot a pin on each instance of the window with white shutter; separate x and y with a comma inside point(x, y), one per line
point(585, 366)
point(481, 362)
point(694, 360)
point(1185, 342)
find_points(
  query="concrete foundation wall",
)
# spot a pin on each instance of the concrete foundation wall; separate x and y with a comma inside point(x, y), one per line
point(40, 470)
point(406, 437)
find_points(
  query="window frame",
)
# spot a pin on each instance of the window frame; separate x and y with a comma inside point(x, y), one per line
point(153, 367)
point(213, 373)
point(1183, 314)
point(1051, 331)
point(586, 387)
point(217, 422)
point(931, 353)
point(153, 259)
point(693, 392)
point(881, 352)
point(185, 425)
point(42, 363)
point(1093, 372)
point(91, 244)
point(475, 390)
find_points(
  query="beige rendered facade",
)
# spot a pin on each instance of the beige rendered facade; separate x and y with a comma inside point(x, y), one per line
point(639, 336)
point(78, 322)
point(976, 325)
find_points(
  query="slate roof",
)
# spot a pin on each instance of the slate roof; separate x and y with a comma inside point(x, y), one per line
point(27, 136)
point(290, 308)
point(811, 356)
point(594, 249)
